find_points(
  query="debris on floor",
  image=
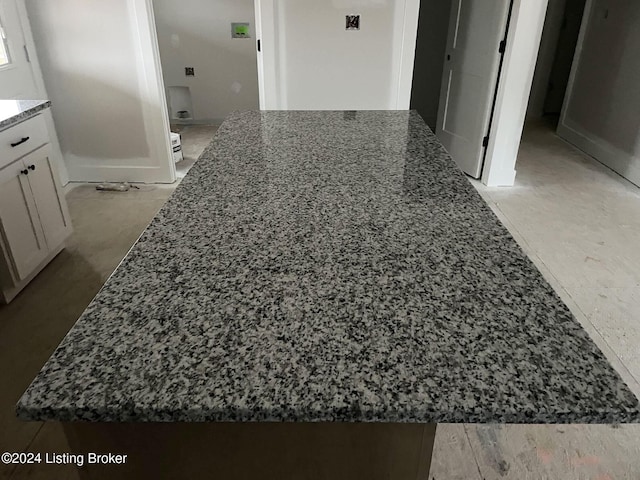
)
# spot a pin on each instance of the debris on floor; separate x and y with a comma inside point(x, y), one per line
point(115, 187)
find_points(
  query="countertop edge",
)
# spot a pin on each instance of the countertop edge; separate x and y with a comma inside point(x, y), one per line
point(25, 114)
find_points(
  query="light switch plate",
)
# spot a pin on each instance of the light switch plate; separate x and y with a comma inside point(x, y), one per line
point(240, 30)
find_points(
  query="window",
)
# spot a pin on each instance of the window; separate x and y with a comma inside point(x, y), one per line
point(4, 48)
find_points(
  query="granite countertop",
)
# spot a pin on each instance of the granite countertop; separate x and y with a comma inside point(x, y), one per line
point(14, 111)
point(327, 266)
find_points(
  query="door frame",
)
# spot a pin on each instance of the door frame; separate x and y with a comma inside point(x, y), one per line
point(514, 89)
point(31, 48)
point(36, 71)
point(405, 35)
point(523, 42)
point(268, 95)
point(470, 150)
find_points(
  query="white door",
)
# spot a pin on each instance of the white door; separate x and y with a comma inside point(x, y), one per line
point(471, 66)
point(49, 199)
point(17, 79)
point(20, 226)
point(336, 55)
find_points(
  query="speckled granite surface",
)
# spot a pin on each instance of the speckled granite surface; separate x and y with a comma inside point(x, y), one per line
point(327, 266)
point(14, 111)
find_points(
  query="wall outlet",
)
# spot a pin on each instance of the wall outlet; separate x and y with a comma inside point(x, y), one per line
point(353, 22)
point(190, 71)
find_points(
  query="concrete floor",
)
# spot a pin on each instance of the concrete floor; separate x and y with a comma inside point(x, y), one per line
point(578, 221)
point(580, 224)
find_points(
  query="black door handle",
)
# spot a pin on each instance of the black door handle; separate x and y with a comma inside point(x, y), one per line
point(31, 167)
point(24, 139)
point(24, 172)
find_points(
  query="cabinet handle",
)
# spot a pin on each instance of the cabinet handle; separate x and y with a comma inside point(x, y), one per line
point(20, 142)
point(31, 167)
point(24, 172)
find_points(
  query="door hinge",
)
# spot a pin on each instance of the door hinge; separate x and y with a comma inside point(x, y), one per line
point(485, 141)
point(26, 53)
point(503, 46)
point(259, 46)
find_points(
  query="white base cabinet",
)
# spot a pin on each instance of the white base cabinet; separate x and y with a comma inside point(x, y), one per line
point(34, 219)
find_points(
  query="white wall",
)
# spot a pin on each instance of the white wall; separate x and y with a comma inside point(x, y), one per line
point(96, 72)
point(601, 114)
point(321, 66)
point(433, 26)
point(197, 33)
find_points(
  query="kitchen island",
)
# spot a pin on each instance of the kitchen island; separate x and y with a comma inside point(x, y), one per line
point(324, 269)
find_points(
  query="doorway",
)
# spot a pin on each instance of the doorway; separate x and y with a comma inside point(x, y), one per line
point(209, 67)
point(456, 92)
point(555, 58)
point(431, 43)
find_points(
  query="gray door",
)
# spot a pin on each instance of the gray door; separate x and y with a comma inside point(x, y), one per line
point(471, 67)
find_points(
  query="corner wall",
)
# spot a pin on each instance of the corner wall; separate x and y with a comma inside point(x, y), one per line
point(89, 53)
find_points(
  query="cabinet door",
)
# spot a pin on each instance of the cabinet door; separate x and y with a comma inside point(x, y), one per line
point(21, 230)
point(47, 193)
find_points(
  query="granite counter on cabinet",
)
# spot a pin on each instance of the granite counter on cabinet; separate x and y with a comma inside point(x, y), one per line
point(15, 111)
point(327, 266)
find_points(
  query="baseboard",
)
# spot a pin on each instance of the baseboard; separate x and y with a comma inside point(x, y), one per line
point(621, 162)
point(202, 121)
point(133, 170)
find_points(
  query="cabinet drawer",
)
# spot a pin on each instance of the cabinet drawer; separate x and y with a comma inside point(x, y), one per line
point(22, 138)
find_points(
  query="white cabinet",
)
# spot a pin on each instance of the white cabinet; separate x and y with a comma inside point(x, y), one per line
point(34, 219)
point(50, 203)
point(21, 228)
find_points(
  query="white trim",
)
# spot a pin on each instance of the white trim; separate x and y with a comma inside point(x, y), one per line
point(42, 90)
point(258, 29)
point(514, 89)
point(31, 48)
point(200, 121)
point(267, 72)
point(618, 160)
point(91, 170)
point(152, 94)
point(408, 53)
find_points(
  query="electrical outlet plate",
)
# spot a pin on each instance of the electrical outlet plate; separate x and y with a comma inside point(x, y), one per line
point(240, 30)
point(353, 22)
